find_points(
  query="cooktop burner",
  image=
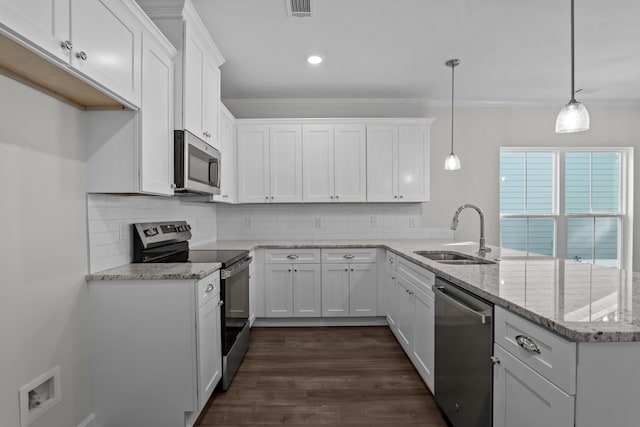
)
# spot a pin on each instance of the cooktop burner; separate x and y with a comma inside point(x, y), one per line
point(226, 257)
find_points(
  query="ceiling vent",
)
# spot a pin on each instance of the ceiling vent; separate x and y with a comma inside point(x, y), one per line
point(299, 8)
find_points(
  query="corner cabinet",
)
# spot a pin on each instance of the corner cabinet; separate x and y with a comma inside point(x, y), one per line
point(397, 163)
point(269, 163)
point(98, 39)
point(156, 349)
point(197, 83)
point(132, 151)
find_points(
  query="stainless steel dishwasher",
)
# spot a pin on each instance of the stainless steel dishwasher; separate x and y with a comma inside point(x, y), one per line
point(463, 349)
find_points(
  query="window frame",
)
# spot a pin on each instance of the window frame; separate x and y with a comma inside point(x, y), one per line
point(560, 217)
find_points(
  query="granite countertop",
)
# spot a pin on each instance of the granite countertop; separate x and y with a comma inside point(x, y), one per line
point(582, 302)
point(157, 271)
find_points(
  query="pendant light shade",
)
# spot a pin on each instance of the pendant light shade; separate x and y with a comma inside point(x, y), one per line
point(574, 117)
point(452, 162)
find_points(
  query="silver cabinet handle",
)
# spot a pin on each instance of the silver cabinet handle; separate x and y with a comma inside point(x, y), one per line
point(292, 256)
point(220, 303)
point(66, 45)
point(527, 343)
point(81, 55)
point(209, 289)
point(495, 360)
point(348, 256)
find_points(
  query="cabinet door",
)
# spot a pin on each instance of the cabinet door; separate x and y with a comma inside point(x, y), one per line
point(253, 164)
point(252, 289)
point(285, 163)
point(111, 40)
point(192, 91)
point(44, 23)
point(350, 163)
point(413, 161)
point(423, 336)
point(156, 116)
point(209, 350)
point(363, 296)
point(391, 300)
point(306, 290)
point(335, 290)
point(523, 398)
point(210, 102)
point(382, 163)
point(228, 155)
point(405, 313)
point(279, 290)
point(317, 163)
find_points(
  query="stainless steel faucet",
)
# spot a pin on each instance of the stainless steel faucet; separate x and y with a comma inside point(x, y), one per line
point(483, 250)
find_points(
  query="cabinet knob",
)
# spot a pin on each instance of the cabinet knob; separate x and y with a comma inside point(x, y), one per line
point(289, 270)
point(209, 288)
point(495, 360)
point(266, 197)
point(346, 269)
point(295, 270)
point(352, 269)
point(81, 55)
point(337, 197)
point(66, 45)
point(220, 303)
point(331, 197)
point(395, 197)
point(402, 197)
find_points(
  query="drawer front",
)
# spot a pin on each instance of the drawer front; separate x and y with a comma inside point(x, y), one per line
point(391, 261)
point(292, 256)
point(350, 255)
point(208, 288)
point(420, 277)
point(543, 351)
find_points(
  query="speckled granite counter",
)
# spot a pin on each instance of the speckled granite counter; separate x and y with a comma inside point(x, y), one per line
point(159, 271)
point(582, 302)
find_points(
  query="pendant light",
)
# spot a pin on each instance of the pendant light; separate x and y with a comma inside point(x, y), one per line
point(574, 117)
point(452, 162)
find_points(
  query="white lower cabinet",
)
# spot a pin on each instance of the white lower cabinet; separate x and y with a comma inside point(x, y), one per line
point(349, 290)
point(415, 316)
point(292, 290)
point(524, 398)
point(156, 350)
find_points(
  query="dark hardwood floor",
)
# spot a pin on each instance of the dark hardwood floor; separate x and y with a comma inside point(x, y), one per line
point(338, 376)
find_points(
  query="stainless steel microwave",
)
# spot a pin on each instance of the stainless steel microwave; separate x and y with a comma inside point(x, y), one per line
point(196, 165)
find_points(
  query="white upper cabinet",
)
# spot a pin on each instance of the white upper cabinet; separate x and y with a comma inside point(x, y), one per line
point(197, 83)
point(99, 39)
point(397, 163)
point(334, 163)
point(228, 157)
point(269, 164)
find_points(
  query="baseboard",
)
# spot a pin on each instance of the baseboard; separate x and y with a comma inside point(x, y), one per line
point(324, 321)
point(90, 421)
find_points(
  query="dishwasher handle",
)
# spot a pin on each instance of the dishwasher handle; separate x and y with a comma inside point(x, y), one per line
point(483, 316)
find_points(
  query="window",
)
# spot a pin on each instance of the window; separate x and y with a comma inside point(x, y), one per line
point(568, 203)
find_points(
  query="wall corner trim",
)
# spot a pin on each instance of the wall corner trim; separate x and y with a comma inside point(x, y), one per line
point(89, 421)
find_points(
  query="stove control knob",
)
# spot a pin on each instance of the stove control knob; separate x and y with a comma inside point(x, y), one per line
point(149, 232)
point(188, 227)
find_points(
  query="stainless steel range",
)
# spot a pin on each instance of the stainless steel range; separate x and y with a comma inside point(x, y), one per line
point(169, 242)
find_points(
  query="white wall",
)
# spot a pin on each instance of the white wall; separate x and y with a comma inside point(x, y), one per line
point(43, 253)
point(480, 132)
point(111, 216)
point(325, 221)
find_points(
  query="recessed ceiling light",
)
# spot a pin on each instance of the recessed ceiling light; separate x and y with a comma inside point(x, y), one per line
point(314, 59)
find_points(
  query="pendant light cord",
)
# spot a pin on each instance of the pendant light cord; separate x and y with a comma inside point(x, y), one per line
point(453, 66)
point(573, 87)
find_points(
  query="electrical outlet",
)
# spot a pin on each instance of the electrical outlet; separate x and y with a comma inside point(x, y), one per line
point(413, 223)
point(318, 223)
point(248, 222)
point(374, 221)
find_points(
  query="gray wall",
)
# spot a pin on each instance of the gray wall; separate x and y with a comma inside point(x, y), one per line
point(43, 253)
point(479, 134)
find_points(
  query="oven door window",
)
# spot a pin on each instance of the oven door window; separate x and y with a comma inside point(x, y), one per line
point(200, 167)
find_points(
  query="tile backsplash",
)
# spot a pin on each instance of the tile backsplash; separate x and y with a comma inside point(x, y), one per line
point(325, 221)
point(110, 218)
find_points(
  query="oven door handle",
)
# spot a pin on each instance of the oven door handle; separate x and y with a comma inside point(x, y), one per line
point(236, 268)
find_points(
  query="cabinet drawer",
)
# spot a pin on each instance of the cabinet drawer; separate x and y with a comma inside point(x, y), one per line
point(208, 288)
point(391, 261)
point(420, 277)
point(292, 256)
point(350, 255)
point(551, 356)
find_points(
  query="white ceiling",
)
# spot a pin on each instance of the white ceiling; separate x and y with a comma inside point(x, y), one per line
point(511, 51)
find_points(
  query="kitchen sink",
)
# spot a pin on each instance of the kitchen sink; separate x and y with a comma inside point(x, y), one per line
point(455, 258)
